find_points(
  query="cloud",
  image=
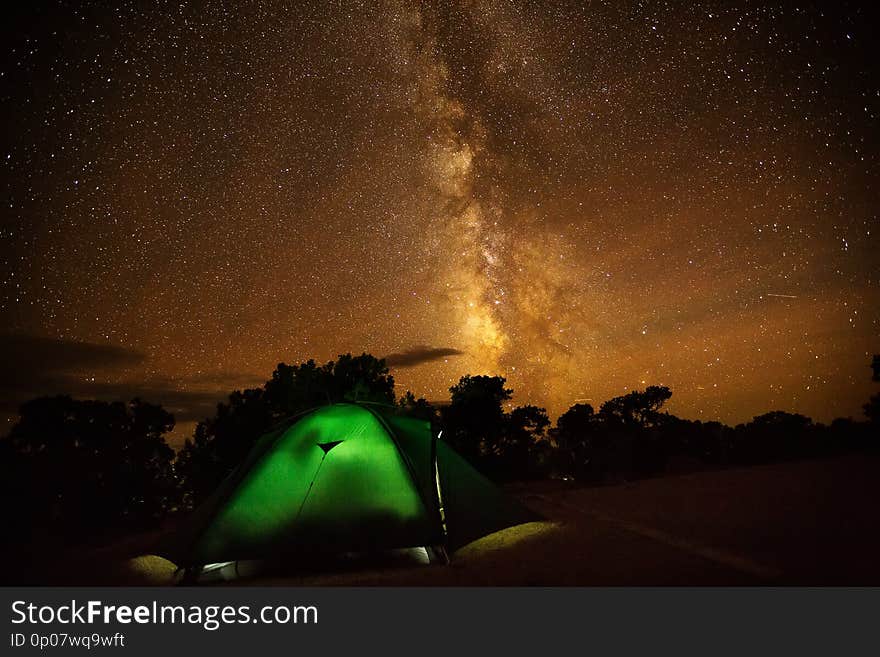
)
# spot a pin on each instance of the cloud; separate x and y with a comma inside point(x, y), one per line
point(33, 366)
point(186, 405)
point(418, 355)
point(31, 359)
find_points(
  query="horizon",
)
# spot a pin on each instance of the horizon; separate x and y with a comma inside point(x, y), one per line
point(192, 407)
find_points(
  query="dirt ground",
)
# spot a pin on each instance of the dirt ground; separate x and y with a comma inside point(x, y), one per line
point(805, 523)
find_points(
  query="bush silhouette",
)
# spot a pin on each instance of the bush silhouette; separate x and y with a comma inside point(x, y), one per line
point(72, 466)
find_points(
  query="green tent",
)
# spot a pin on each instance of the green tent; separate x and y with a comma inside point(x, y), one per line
point(344, 478)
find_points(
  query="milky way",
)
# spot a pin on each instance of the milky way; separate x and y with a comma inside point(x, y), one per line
point(583, 197)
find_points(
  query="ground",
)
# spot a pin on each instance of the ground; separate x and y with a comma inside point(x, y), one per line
point(807, 523)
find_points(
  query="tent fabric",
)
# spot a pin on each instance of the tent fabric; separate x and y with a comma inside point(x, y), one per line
point(344, 478)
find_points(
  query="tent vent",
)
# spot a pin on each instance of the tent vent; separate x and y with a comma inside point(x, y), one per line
point(328, 446)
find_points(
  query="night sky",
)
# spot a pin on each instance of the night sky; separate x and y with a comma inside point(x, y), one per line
point(584, 197)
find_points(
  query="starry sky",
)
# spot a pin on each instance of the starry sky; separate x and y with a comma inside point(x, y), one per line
point(584, 197)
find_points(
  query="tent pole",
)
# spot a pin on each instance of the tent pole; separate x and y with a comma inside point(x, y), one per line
point(438, 493)
point(309, 491)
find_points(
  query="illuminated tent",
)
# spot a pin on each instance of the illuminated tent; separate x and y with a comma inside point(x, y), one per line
point(344, 478)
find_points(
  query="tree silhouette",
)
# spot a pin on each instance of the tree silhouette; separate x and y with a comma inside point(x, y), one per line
point(73, 466)
point(709, 442)
point(474, 420)
point(773, 436)
point(577, 437)
point(419, 407)
point(220, 443)
point(523, 450)
point(69, 466)
point(502, 445)
point(637, 408)
point(634, 426)
point(295, 388)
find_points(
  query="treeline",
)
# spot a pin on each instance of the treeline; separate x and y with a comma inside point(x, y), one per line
point(78, 468)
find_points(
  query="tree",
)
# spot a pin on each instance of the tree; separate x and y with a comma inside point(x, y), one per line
point(475, 419)
point(419, 407)
point(634, 424)
point(295, 388)
point(637, 408)
point(361, 378)
point(220, 443)
point(522, 450)
point(575, 435)
point(74, 466)
point(774, 436)
point(706, 441)
point(502, 445)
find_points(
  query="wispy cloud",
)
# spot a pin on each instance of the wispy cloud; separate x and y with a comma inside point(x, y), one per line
point(35, 366)
point(26, 359)
point(418, 355)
